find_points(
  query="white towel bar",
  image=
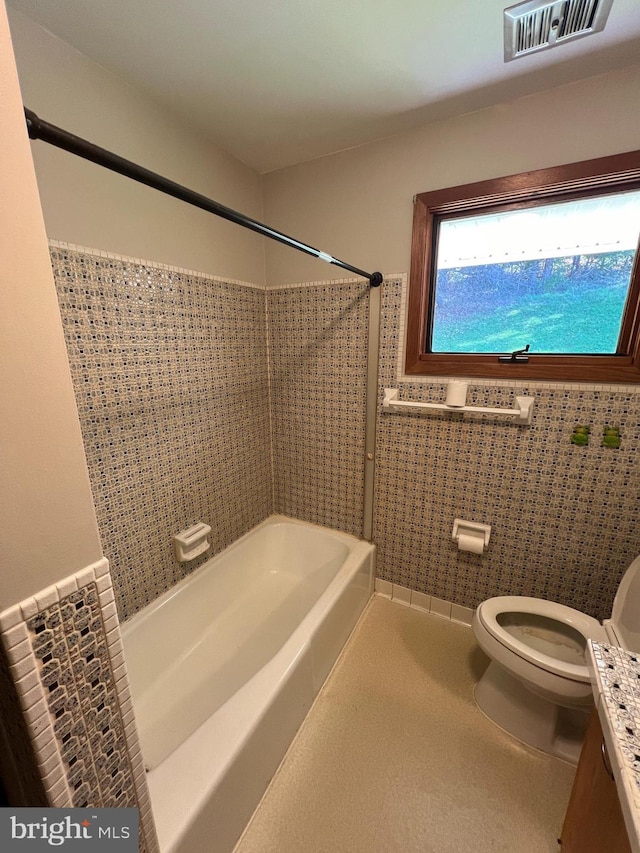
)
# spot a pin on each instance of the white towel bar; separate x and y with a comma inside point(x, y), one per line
point(522, 412)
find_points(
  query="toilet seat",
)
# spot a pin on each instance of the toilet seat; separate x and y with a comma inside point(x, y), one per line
point(536, 687)
point(490, 610)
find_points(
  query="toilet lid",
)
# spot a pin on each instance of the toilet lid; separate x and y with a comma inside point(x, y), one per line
point(625, 616)
point(489, 612)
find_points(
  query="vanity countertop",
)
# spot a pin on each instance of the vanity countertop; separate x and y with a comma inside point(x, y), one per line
point(616, 685)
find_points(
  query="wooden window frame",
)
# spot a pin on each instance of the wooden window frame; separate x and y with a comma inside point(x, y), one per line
point(576, 180)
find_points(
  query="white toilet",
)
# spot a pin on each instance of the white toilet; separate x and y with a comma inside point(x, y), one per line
point(537, 686)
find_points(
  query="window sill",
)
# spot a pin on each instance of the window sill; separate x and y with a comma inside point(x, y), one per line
point(555, 368)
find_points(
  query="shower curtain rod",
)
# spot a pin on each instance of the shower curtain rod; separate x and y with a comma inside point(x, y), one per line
point(40, 129)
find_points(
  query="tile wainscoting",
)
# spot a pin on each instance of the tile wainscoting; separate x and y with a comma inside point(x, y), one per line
point(218, 401)
point(209, 400)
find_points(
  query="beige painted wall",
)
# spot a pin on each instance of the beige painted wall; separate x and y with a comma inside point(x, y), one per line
point(357, 205)
point(89, 206)
point(48, 527)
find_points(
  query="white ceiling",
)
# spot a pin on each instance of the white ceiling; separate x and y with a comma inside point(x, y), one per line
point(281, 82)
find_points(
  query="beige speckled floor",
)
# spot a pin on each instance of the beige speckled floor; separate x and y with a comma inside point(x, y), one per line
point(395, 756)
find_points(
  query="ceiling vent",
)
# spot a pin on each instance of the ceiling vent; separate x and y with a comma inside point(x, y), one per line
point(538, 25)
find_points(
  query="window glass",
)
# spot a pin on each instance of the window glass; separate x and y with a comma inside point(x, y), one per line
point(554, 276)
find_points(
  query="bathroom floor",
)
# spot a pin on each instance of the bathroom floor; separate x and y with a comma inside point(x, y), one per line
point(394, 756)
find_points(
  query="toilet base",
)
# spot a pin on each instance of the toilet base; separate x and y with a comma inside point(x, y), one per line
point(531, 719)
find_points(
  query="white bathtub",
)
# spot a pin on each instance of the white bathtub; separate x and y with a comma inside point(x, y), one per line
point(224, 667)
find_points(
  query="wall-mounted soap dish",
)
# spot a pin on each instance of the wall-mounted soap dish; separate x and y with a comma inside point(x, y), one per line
point(190, 543)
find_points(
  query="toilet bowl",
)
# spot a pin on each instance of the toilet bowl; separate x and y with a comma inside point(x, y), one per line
point(537, 686)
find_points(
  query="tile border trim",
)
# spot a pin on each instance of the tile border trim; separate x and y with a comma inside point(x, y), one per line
point(100, 253)
point(426, 603)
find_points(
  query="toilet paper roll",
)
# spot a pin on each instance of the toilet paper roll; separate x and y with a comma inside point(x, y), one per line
point(456, 393)
point(474, 544)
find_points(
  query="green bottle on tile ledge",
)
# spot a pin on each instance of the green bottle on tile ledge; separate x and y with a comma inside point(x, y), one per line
point(611, 437)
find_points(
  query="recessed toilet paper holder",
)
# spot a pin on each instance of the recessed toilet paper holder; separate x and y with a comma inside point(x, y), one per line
point(471, 529)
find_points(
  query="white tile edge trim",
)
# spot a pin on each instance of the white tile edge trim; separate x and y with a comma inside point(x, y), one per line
point(426, 603)
point(24, 670)
point(99, 253)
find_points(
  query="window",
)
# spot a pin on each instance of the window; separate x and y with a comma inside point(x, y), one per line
point(547, 259)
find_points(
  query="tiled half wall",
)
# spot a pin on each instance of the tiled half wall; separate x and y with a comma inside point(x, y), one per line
point(63, 653)
point(564, 518)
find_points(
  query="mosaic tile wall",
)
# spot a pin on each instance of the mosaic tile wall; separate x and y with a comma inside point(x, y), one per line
point(170, 375)
point(66, 660)
point(318, 343)
point(564, 518)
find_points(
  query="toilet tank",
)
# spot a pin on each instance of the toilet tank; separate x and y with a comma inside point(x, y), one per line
point(625, 617)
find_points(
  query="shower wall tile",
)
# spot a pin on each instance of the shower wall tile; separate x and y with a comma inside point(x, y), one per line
point(564, 518)
point(63, 658)
point(171, 382)
point(318, 343)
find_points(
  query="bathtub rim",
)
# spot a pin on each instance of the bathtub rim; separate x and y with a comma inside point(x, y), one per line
point(128, 625)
